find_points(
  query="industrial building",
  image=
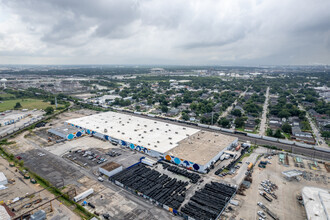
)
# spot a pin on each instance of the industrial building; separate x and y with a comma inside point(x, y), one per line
point(3, 179)
point(110, 169)
point(316, 203)
point(188, 147)
point(67, 132)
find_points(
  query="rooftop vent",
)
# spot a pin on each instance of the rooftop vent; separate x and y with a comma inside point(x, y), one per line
point(157, 128)
point(155, 122)
point(118, 131)
point(165, 131)
point(148, 143)
point(139, 134)
point(142, 137)
point(138, 124)
point(166, 124)
point(122, 132)
point(145, 125)
point(135, 129)
point(155, 145)
point(106, 121)
point(184, 128)
point(145, 132)
point(176, 132)
point(171, 143)
point(157, 141)
point(169, 138)
point(187, 135)
point(97, 127)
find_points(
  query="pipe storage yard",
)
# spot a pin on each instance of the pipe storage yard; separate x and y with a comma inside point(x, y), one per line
point(188, 147)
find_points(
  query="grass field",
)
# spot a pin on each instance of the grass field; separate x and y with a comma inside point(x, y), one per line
point(7, 96)
point(26, 104)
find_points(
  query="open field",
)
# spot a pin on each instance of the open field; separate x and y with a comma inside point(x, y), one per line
point(26, 104)
point(6, 96)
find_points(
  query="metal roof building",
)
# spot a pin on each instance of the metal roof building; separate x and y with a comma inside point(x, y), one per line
point(67, 132)
point(290, 174)
point(185, 146)
point(316, 202)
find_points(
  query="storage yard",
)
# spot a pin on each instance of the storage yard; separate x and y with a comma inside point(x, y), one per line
point(187, 173)
point(284, 204)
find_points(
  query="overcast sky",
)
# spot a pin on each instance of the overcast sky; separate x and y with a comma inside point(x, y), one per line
point(205, 32)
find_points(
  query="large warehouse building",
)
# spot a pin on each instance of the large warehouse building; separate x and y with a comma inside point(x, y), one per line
point(184, 146)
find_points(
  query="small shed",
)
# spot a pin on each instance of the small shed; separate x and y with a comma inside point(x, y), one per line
point(3, 179)
point(110, 169)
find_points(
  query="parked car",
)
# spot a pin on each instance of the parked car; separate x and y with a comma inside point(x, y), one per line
point(261, 214)
point(100, 179)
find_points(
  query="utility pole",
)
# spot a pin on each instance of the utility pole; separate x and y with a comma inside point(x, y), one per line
point(212, 117)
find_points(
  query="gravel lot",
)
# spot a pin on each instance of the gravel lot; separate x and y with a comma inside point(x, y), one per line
point(286, 206)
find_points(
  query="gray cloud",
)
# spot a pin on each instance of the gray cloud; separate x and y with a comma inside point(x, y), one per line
point(168, 32)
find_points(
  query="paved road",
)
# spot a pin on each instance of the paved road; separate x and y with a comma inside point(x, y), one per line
point(228, 110)
point(263, 122)
point(293, 148)
point(317, 135)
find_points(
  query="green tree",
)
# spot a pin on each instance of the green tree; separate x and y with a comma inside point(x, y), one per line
point(236, 112)
point(239, 122)
point(284, 114)
point(224, 122)
point(185, 116)
point(18, 105)
point(286, 127)
point(49, 110)
point(269, 132)
point(164, 108)
point(278, 134)
point(326, 134)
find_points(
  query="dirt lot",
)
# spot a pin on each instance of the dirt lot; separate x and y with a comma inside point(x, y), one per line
point(286, 206)
point(23, 187)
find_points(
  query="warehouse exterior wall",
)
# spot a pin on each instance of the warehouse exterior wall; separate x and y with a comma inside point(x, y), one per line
point(112, 172)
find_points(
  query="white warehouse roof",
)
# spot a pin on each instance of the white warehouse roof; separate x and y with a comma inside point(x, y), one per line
point(316, 202)
point(155, 135)
point(3, 179)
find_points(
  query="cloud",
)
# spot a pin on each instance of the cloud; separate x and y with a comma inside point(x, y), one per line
point(166, 32)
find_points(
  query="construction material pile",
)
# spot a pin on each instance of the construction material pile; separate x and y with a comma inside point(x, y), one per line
point(209, 202)
point(194, 177)
point(151, 183)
